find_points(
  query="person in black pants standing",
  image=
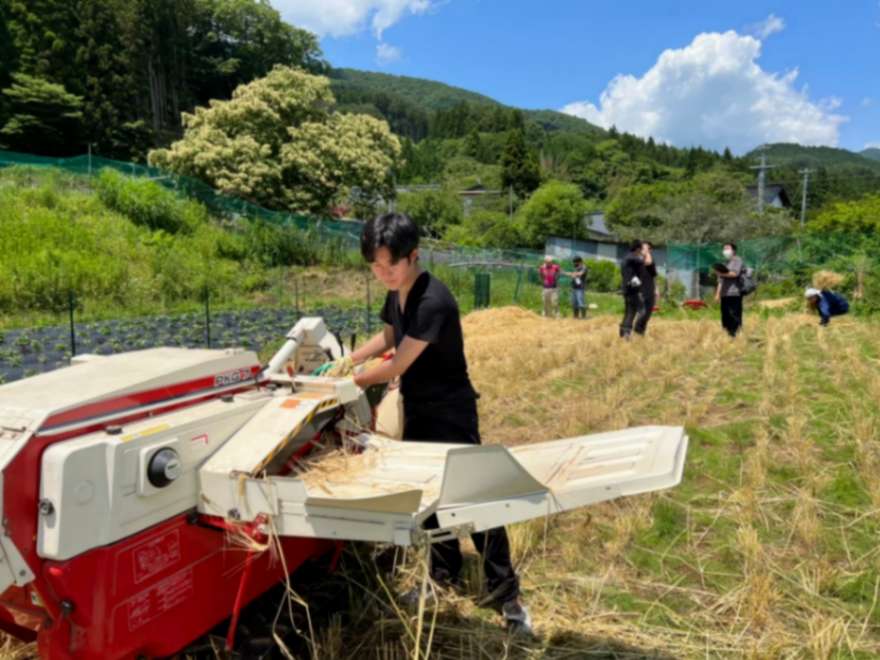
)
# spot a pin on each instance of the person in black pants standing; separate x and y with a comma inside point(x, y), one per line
point(631, 271)
point(729, 291)
point(440, 405)
point(649, 291)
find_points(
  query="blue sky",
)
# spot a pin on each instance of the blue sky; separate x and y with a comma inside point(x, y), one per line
point(731, 74)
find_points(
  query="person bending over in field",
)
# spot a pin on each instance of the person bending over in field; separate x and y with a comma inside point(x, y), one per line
point(439, 403)
point(827, 303)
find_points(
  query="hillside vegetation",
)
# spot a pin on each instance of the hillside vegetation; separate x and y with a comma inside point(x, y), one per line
point(801, 156)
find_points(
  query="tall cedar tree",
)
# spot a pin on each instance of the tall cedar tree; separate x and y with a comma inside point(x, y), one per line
point(519, 165)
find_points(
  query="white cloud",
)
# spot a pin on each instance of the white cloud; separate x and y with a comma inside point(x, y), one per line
point(867, 102)
point(341, 18)
point(872, 145)
point(386, 53)
point(830, 103)
point(713, 93)
point(763, 29)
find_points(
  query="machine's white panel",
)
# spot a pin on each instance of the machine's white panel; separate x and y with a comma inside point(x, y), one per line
point(17, 425)
point(113, 376)
point(96, 487)
point(386, 492)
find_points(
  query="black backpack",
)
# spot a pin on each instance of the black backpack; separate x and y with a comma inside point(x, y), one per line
point(747, 282)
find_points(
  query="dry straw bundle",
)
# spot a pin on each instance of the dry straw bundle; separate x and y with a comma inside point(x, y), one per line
point(827, 279)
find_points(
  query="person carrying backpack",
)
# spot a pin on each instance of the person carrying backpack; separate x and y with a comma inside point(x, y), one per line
point(827, 303)
point(729, 291)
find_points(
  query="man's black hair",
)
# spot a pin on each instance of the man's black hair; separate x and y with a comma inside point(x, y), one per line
point(395, 231)
point(577, 259)
point(634, 245)
point(733, 245)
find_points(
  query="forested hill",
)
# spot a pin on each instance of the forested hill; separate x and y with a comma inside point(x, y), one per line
point(815, 157)
point(421, 98)
point(426, 94)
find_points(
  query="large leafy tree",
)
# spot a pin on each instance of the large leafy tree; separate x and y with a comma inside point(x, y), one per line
point(713, 206)
point(434, 211)
point(278, 143)
point(850, 217)
point(486, 228)
point(554, 209)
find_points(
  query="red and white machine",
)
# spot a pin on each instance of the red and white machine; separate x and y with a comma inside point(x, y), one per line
point(121, 476)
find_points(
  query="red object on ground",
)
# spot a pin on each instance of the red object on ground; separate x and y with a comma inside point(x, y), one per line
point(148, 595)
point(694, 303)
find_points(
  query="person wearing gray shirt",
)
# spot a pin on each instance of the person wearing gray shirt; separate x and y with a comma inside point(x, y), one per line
point(729, 290)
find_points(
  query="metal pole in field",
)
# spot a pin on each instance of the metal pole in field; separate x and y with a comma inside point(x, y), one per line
point(207, 316)
point(70, 305)
point(90, 159)
point(806, 174)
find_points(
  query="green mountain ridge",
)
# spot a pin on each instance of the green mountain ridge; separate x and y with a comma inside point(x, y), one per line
point(431, 96)
point(790, 154)
point(872, 152)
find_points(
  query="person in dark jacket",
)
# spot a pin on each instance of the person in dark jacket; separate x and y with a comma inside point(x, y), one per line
point(631, 272)
point(578, 283)
point(649, 288)
point(827, 303)
point(422, 323)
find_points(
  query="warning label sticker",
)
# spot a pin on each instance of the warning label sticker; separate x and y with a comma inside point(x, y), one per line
point(160, 598)
point(155, 555)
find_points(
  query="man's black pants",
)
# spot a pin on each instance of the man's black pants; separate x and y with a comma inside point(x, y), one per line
point(457, 422)
point(645, 312)
point(732, 314)
point(632, 302)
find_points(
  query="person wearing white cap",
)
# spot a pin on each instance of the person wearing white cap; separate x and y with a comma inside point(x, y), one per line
point(827, 303)
point(549, 273)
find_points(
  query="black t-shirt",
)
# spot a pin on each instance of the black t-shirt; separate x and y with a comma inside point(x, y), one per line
point(431, 315)
point(632, 266)
point(580, 277)
point(648, 276)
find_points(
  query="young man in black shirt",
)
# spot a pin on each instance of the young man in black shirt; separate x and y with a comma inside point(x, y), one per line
point(631, 273)
point(648, 275)
point(422, 323)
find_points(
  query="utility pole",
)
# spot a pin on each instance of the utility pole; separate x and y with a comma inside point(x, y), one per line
point(762, 178)
point(806, 174)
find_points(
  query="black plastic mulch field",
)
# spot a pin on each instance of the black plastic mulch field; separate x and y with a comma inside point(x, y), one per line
point(30, 351)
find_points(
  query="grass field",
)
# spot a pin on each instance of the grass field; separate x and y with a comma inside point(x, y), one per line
point(767, 549)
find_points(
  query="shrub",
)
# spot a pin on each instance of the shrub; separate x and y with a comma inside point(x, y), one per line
point(603, 275)
point(146, 203)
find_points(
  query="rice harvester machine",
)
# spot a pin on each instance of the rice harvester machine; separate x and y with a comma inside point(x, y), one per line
point(122, 478)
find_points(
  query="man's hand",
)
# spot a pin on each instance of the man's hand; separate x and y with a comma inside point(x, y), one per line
point(338, 368)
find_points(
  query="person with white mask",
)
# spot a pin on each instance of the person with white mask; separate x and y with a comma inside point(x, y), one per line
point(729, 290)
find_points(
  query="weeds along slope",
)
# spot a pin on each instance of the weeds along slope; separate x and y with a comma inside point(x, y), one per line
point(767, 549)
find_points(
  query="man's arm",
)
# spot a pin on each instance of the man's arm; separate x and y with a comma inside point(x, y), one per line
point(404, 356)
point(382, 342)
